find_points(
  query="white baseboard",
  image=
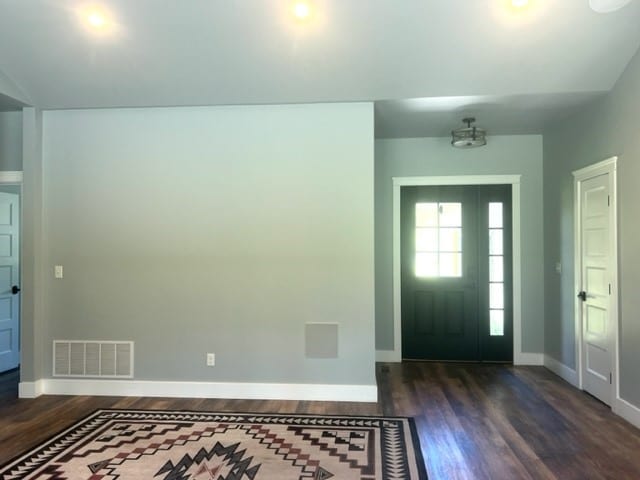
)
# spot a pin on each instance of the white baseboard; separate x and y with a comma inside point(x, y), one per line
point(388, 356)
point(628, 411)
point(566, 373)
point(245, 391)
point(523, 358)
point(30, 389)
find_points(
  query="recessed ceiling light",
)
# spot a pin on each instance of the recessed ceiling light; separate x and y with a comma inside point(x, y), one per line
point(519, 3)
point(606, 6)
point(96, 19)
point(302, 10)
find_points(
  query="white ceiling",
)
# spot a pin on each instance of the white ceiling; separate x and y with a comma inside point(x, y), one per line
point(207, 52)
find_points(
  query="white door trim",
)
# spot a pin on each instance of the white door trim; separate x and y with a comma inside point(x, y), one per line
point(514, 180)
point(608, 166)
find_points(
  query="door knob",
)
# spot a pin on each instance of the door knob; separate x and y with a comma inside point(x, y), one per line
point(582, 296)
point(15, 289)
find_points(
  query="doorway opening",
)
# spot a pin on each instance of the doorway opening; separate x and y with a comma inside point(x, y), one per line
point(596, 274)
point(456, 273)
point(512, 182)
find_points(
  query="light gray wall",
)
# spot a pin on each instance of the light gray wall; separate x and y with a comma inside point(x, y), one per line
point(504, 155)
point(11, 141)
point(605, 128)
point(33, 327)
point(225, 230)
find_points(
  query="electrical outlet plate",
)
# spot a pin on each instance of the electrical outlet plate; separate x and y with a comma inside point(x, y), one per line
point(211, 359)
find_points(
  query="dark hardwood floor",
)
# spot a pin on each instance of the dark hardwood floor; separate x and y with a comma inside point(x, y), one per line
point(474, 421)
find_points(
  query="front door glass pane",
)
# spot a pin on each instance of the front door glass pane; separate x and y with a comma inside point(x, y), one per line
point(450, 239)
point(495, 215)
point(495, 241)
point(426, 239)
point(426, 264)
point(496, 321)
point(450, 214)
point(450, 265)
point(438, 239)
point(496, 268)
point(426, 215)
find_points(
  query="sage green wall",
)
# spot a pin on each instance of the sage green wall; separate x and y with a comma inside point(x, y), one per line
point(33, 327)
point(10, 141)
point(598, 131)
point(504, 155)
point(214, 229)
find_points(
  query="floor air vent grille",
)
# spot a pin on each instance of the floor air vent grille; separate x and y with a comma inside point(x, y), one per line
point(90, 358)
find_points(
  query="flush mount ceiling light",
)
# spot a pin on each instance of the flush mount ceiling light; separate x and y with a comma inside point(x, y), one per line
point(468, 137)
point(606, 6)
point(519, 3)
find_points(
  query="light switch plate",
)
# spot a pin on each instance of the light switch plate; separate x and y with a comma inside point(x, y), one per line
point(58, 271)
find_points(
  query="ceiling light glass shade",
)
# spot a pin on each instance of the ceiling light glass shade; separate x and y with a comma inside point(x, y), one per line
point(606, 6)
point(468, 137)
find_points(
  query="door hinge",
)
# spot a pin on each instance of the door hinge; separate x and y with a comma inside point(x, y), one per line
point(608, 200)
point(610, 378)
point(609, 289)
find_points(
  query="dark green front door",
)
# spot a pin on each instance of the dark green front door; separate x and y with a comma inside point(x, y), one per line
point(456, 273)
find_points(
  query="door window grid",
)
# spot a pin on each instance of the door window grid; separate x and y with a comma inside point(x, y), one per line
point(496, 270)
point(438, 239)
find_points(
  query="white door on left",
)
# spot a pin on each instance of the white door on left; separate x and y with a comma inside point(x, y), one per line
point(9, 281)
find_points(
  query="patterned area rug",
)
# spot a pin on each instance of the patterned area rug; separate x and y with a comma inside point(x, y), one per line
point(175, 445)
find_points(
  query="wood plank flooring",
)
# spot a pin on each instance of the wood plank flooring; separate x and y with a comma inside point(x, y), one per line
point(474, 421)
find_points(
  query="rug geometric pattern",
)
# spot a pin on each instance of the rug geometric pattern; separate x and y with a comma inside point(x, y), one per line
point(178, 445)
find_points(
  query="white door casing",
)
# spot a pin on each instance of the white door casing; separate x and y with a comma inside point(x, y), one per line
point(596, 280)
point(9, 276)
point(519, 357)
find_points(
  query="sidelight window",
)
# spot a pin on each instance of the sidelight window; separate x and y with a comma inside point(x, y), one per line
point(438, 240)
point(496, 270)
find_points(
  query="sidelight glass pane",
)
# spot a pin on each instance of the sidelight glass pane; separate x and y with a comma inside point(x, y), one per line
point(496, 295)
point(450, 214)
point(426, 264)
point(496, 269)
point(450, 264)
point(495, 242)
point(426, 239)
point(496, 323)
point(426, 214)
point(450, 240)
point(495, 215)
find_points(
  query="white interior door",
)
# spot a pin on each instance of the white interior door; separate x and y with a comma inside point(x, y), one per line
point(595, 293)
point(9, 278)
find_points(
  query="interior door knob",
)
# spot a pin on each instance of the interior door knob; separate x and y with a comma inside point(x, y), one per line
point(15, 289)
point(582, 296)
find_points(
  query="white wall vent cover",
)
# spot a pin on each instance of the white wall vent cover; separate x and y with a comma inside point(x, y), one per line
point(92, 358)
